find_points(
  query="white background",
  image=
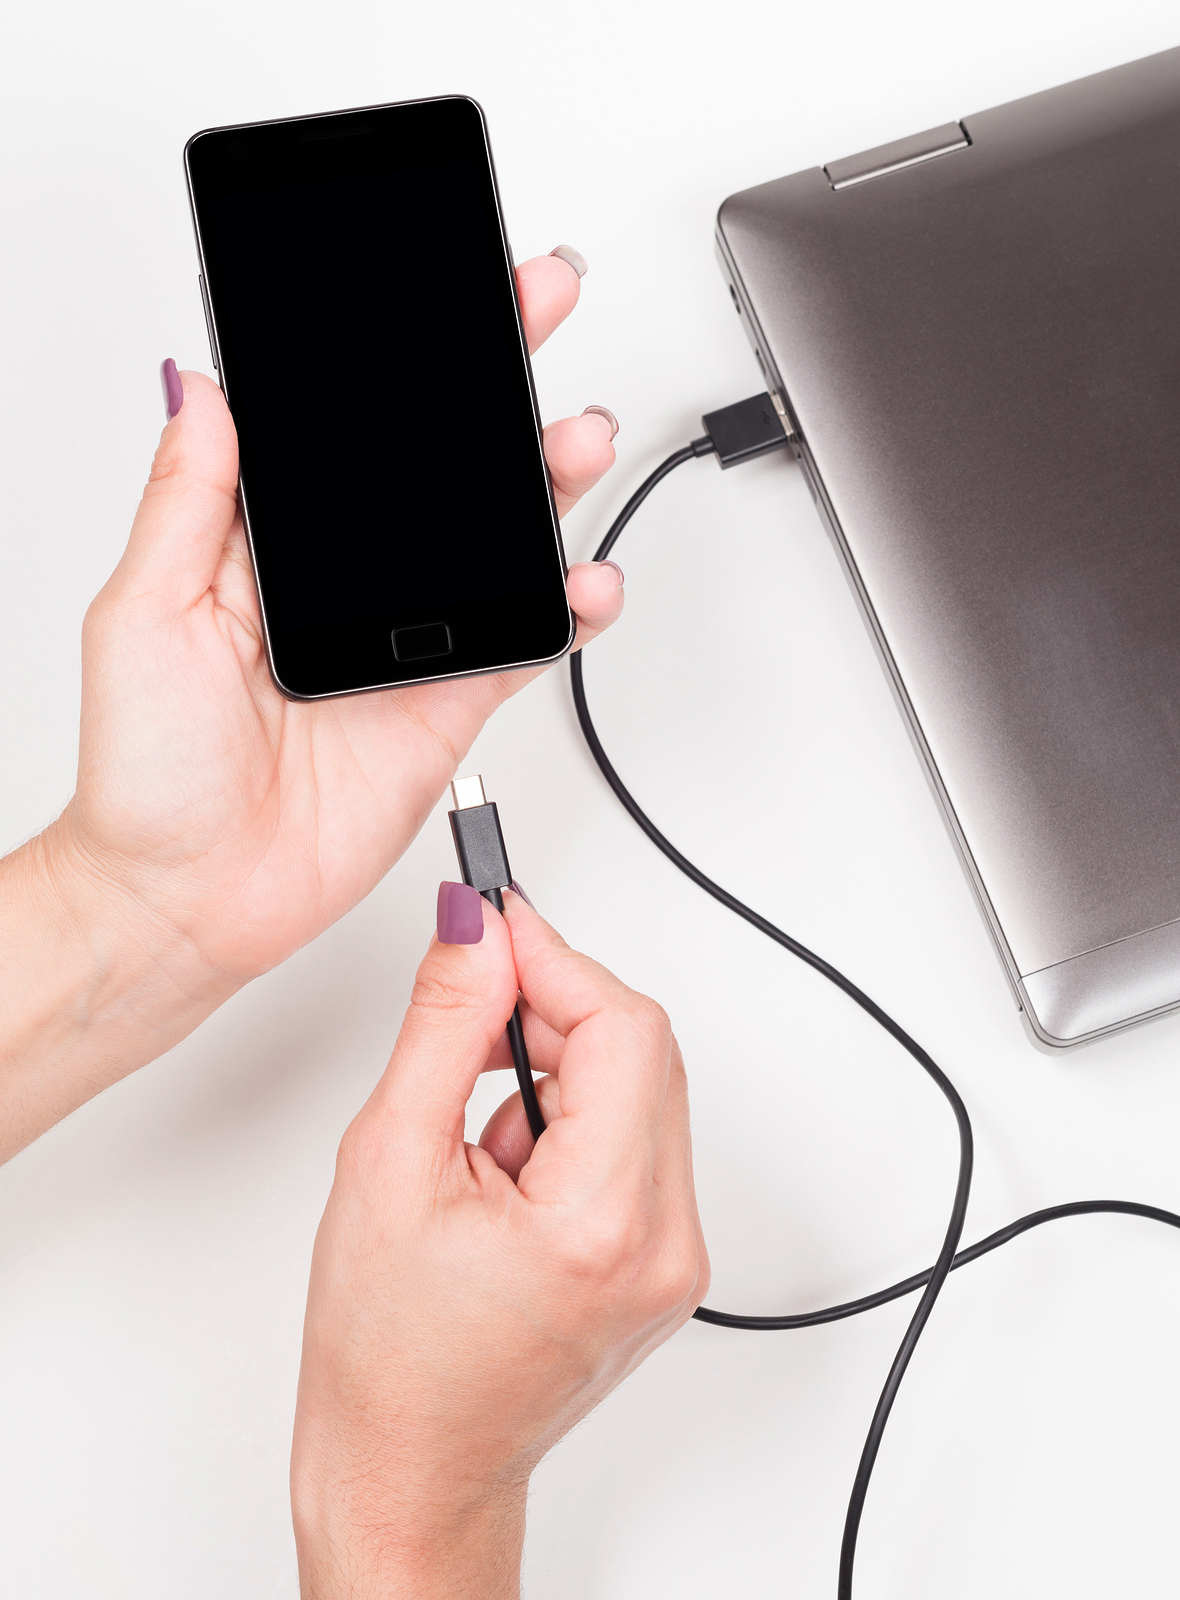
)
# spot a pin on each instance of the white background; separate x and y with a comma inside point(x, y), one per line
point(154, 1249)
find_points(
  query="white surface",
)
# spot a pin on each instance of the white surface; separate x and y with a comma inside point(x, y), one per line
point(153, 1250)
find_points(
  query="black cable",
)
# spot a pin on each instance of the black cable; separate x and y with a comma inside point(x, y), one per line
point(520, 1054)
point(869, 1302)
point(699, 447)
point(934, 1277)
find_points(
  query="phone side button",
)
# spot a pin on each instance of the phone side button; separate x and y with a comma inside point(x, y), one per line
point(208, 322)
point(420, 644)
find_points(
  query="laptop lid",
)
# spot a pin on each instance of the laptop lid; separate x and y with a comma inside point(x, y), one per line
point(976, 334)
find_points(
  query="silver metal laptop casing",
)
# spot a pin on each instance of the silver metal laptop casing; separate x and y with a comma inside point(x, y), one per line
point(976, 333)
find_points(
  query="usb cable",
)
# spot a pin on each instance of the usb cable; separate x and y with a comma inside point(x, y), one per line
point(483, 861)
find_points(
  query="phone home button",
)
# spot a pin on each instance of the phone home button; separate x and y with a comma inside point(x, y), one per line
point(420, 644)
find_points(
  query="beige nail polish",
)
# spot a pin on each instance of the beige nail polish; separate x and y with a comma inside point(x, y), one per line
point(601, 411)
point(572, 257)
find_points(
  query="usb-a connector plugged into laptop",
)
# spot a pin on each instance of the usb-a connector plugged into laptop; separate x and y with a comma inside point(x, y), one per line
point(749, 428)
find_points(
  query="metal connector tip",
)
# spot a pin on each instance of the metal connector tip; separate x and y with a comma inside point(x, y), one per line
point(468, 792)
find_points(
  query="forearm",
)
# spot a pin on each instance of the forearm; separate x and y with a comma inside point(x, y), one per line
point(92, 986)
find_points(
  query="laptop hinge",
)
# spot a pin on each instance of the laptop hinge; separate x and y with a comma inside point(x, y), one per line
point(893, 157)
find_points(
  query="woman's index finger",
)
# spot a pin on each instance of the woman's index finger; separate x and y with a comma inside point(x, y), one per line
point(613, 1072)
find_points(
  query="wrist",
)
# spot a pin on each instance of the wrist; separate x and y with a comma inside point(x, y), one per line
point(92, 983)
point(386, 1535)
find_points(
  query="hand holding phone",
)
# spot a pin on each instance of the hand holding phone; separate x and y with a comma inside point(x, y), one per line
point(216, 825)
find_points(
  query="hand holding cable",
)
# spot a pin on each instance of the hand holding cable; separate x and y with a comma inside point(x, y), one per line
point(470, 1303)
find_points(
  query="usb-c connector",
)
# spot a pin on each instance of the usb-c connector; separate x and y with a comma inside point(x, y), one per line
point(468, 792)
point(479, 841)
point(483, 861)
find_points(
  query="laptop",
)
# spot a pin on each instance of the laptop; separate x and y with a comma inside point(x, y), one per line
point(975, 335)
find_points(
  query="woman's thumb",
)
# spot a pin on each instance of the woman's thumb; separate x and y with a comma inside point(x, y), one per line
point(463, 996)
point(189, 503)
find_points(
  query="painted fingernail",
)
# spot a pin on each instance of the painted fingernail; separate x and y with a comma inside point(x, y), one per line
point(171, 385)
point(516, 889)
point(617, 568)
point(460, 914)
point(601, 411)
point(575, 258)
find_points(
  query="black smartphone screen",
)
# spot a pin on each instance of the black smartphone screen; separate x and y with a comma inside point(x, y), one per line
point(363, 308)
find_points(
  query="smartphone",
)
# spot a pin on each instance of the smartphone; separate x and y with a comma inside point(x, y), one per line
point(362, 311)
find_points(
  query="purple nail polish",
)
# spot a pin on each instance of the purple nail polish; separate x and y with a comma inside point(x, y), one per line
point(571, 257)
point(172, 387)
point(516, 889)
point(460, 914)
point(601, 411)
point(617, 568)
